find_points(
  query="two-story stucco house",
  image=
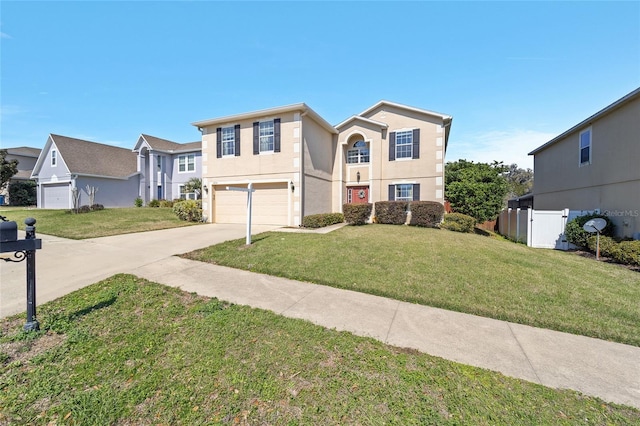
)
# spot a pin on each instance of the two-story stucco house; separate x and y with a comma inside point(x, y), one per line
point(298, 164)
point(595, 165)
point(155, 169)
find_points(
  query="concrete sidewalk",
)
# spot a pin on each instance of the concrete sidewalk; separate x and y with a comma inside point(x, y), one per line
point(607, 370)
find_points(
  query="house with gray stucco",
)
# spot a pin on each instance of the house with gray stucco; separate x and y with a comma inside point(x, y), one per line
point(155, 169)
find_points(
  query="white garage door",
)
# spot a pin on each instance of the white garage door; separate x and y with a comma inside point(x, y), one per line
point(55, 196)
point(270, 204)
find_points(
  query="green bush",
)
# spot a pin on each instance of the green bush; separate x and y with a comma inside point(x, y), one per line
point(628, 253)
point(138, 202)
point(22, 193)
point(608, 246)
point(96, 207)
point(458, 222)
point(154, 203)
point(357, 214)
point(391, 212)
point(322, 220)
point(426, 213)
point(578, 236)
point(189, 210)
point(166, 203)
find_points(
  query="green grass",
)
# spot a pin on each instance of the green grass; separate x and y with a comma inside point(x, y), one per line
point(127, 351)
point(100, 223)
point(460, 272)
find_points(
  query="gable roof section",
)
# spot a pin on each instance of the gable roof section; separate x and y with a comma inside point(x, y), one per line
point(91, 158)
point(363, 119)
point(164, 145)
point(24, 151)
point(607, 110)
point(367, 111)
point(300, 107)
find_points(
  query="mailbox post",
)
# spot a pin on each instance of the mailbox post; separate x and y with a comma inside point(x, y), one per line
point(23, 250)
point(249, 190)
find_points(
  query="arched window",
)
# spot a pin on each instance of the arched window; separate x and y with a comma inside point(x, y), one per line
point(358, 154)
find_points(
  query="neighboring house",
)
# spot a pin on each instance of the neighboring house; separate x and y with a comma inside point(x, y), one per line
point(155, 169)
point(165, 167)
point(66, 163)
point(299, 164)
point(27, 158)
point(595, 165)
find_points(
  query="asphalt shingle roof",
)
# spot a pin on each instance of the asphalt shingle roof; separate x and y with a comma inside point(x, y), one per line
point(159, 144)
point(91, 158)
point(24, 151)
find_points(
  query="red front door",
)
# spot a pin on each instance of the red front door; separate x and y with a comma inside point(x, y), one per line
point(358, 194)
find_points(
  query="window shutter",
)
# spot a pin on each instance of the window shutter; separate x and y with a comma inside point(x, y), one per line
point(392, 192)
point(219, 142)
point(416, 192)
point(237, 139)
point(416, 144)
point(276, 135)
point(392, 147)
point(256, 138)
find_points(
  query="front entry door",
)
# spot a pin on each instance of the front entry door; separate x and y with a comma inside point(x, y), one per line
point(357, 194)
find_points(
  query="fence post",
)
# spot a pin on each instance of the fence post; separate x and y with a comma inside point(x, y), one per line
point(529, 226)
point(509, 222)
point(518, 224)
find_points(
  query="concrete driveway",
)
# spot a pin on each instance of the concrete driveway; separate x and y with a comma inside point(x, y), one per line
point(64, 265)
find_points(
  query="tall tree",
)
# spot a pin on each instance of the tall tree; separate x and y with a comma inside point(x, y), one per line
point(520, 181)
point(475, 189)
point(7, 168)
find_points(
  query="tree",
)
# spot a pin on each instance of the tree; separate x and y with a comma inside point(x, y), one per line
point(194, 185)
point(475, 189)
point(520, 181)
point(22, 193)
point(8, 168)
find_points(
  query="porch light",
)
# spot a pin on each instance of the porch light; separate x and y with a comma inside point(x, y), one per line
point(358, 177)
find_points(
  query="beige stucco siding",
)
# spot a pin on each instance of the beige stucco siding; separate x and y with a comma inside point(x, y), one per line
point(610, 183)
point(319, 151)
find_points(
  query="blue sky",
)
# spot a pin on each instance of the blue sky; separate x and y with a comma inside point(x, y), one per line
point(512, 74)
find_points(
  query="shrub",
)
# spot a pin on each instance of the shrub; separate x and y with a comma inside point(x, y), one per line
point(628, 253)
point(22, 193)
point(322, 220)
point(391, 212)
point(166, 203)
point(189, 210)
point(154, 203)
point(84, 209)
point(138, 202)
point(608, 246)
point(458, 222)
point(426, 213)
point(357, 214)
point(96, 207)
point(578, 236)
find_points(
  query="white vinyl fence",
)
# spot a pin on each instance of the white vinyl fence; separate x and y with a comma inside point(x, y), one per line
point(538, 228)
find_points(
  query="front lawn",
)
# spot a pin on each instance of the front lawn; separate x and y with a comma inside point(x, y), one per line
point(95, 224)
point(126, 351)
point(460, 272)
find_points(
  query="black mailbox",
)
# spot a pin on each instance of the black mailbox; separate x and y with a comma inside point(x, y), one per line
point(8, 231)
point(23, 250)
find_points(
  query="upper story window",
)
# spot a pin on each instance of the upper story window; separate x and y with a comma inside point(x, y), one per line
point(54, 158)
point(358, 154)
point(266, 136)
point(585, 147)
point(187, 163)
point(228, 141)
point(404, 144)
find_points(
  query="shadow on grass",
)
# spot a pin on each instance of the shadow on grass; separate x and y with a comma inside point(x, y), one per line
point(90, 309)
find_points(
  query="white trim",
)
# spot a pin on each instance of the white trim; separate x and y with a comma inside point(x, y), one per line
point(366, 120)
point(247, 181)
point(403, 182)
point(186, 164)
point(53, 158)
point(406, 107)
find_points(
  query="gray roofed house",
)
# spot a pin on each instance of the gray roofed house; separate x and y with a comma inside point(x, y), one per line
point(27, 157)
point(120, 175)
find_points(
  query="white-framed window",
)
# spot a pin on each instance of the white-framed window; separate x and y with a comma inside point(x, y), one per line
point(228, 141)
point(585, 147)
point(404, 144)
point(266, 136)
point(349, 195)
point(187, 163)
point(184, 195)
point(404, 192)
point(358, 154)
point(54, 158)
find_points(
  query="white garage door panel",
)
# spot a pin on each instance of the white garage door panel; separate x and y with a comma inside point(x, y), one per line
point(270, 205)
point(55, 196)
